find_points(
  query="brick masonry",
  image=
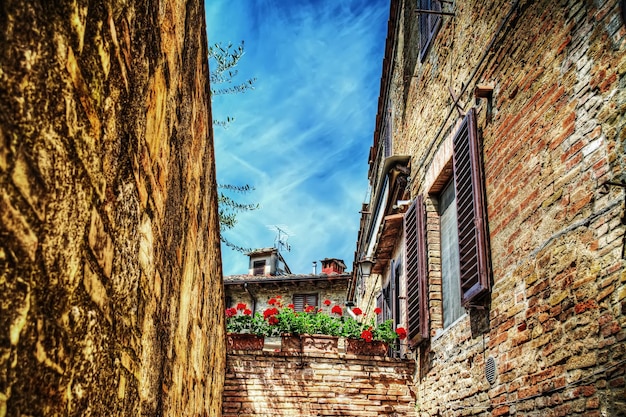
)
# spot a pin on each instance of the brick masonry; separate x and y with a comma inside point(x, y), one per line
point(275, 384)
point(110, 272)
point(556, 323)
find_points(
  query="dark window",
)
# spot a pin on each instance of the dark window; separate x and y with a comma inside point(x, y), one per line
point(416, 272)
point(469, 185)
point(258, 268)
point(300, 301)
point(429, 24)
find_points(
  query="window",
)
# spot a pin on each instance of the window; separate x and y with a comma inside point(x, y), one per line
point(258, 267)
point(461, 237)
point(429, 24)
point(449, 242)
point(300, 301)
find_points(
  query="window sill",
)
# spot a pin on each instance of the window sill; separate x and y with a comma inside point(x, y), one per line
point(442, 332)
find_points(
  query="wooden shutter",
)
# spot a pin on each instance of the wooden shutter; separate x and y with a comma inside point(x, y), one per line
point(471, 212)
point(429, 24)
point(416, 272)
point(300, 301)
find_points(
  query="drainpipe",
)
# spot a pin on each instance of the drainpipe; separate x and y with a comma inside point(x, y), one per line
point(252, 296)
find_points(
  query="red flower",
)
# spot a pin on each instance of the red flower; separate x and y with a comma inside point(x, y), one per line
point(366, 335)
point(272, 320)
point(241, 306)
point(337, 310)
point(309, 309)
point(357, 311)
point(327, 302)
point(378, 310)
point(272, 301)
point(230, 312)
point(270, 312)
point(247, 312)
point(291, 306)
point(401, 332)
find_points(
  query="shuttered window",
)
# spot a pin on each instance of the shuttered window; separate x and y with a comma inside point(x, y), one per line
point(471, 212)
point(300, 301)
point(429, 24)
point(258, 268)
point(416, 272)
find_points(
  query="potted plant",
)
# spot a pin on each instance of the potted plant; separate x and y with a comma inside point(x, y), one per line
point(245, 331)
point(369, 338)
point(311, 330)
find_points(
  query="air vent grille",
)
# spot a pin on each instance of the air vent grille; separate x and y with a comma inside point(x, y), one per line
point(490, 370)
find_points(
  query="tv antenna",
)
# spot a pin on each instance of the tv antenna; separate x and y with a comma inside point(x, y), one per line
point(282, 235)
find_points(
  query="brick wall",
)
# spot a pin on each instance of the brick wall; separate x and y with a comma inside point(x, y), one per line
point(110, 278)
point(556, 323)
point(281, 384)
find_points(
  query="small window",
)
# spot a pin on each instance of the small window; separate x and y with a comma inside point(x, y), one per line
point(258, 267)
point(301, 301)
point(429, 24)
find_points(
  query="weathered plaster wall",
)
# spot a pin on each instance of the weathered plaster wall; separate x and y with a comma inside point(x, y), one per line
point(110, 269)
point(333, 290)
point(286, 384)
point(557, 325)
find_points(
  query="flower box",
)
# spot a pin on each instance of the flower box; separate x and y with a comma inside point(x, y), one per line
point(319, 343)
point(244, 341)
point(365, 348)
point(290, 343)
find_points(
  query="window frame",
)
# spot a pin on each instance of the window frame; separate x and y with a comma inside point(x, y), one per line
point(304, 301)
point(260, 268)
point(431, 21)
point(463, 164)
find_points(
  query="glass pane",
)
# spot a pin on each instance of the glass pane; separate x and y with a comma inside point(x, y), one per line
point(450, 269)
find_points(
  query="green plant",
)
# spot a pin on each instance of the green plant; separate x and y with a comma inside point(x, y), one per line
point(369, 330)
point(241, 320)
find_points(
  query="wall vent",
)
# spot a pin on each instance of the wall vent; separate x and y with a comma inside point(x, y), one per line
point(490, 369)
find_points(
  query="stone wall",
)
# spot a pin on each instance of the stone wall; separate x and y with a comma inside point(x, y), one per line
point(110, 269)
point(284, 384)
point(556, 321)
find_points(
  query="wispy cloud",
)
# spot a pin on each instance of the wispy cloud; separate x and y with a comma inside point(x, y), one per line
point(301, 137)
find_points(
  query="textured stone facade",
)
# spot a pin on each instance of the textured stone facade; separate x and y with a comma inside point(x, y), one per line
point(548, 82)
point(110, 274)
point(285, 385)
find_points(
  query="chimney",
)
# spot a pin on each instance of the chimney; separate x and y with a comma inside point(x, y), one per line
point(314, 268)
point(333, 266)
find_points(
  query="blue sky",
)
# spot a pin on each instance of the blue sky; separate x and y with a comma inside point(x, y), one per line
point(301, 137)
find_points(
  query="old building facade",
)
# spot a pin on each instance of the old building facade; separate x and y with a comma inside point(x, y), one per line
point(495, 222)
point(110, 273)
point(269, 277)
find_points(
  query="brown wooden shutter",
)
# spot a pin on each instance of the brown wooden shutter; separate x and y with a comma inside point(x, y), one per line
point(429, 23)
point(471, 212)
point(416, 272)
point(300, 301)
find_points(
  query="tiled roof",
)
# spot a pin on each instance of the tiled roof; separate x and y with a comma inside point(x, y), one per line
point(238, 279)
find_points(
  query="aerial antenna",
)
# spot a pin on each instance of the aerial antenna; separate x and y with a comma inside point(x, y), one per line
point(282, 235)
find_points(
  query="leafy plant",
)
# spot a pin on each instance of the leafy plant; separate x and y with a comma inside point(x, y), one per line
point(279, 319)
point(241, 320)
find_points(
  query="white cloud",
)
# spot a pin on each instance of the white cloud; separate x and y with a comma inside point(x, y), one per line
point(302, 136)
